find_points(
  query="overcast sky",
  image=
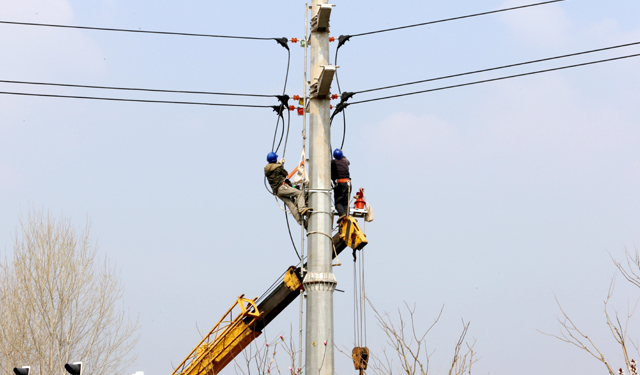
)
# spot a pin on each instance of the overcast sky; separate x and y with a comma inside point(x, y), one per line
point(492, 199)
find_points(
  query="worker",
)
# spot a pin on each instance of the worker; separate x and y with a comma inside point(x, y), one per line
point(281, 187)
point(341, 183)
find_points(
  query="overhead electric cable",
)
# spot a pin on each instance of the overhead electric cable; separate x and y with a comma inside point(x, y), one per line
point(495, 79)
point(136, 89)
point(454, 18)
point(286, 77)
point(285, 102)
point(134, 100)
point(275, 135)
point(291, 237)
point(137, 31)
point(286, 138)
point(344, 116)
point(498, 67)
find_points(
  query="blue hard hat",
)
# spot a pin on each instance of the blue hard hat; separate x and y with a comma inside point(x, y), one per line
point(272, 157)
point(337, 154)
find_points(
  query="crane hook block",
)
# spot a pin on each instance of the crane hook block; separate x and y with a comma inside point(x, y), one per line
point(360, 357)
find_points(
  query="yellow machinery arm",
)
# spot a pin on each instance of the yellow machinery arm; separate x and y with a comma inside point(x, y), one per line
point(226, 340)
point(232, 334)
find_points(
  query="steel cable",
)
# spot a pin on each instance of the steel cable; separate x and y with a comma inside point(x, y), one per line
point(133, 100)
point(135, 89)
point(497, 79)
point(133, 31)
point(455, 18)
point(499, 67)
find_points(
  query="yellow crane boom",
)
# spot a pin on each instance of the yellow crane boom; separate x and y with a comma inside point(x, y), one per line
point(242, 323)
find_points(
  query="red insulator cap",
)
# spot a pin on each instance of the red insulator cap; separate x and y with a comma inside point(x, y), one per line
point(296, 97)
point(294, 40)
point(334, 96)
point(332, 39)
point(292, 107)
point(330, 106)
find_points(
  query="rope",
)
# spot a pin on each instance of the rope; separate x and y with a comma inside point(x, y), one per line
point(320, 212)
point(333, 246)
point(318, 232)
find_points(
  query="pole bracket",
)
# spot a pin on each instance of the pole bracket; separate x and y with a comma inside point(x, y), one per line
point(320, 281)
point(320, 88)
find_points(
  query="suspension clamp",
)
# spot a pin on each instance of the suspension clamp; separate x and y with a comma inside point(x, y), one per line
point(342, 39)
point(284, 99)
point(279, 109)
point(283, 42)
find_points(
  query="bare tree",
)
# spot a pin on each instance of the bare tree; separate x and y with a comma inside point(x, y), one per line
point(264, 359)
point(60, 302)
point(618, 326)
point(410, 347)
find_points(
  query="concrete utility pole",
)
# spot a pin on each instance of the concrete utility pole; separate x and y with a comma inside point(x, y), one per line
point(319, 282)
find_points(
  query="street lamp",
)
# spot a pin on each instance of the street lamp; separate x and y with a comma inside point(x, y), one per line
point(74, 368)
point(22, 371)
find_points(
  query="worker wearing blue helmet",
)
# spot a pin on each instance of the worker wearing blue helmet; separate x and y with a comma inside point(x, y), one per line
point(341, 182)
point(281, 187)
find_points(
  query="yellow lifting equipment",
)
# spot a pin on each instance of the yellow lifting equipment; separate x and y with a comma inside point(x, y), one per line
point(224, 342)
point(360, 356)
point(351, 234)
point(242, 323)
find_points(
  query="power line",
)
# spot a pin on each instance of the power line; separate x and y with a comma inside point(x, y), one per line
point(344, 115)
point(134, 100)
point(285, 103)
point(135, 89)
point(455, 18)
point(496, 79)
point(498, 67)
point(136, 31)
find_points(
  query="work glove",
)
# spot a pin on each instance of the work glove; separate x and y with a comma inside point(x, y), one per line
point(281, 161)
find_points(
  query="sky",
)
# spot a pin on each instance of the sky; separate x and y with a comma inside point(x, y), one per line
point(492, 200)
